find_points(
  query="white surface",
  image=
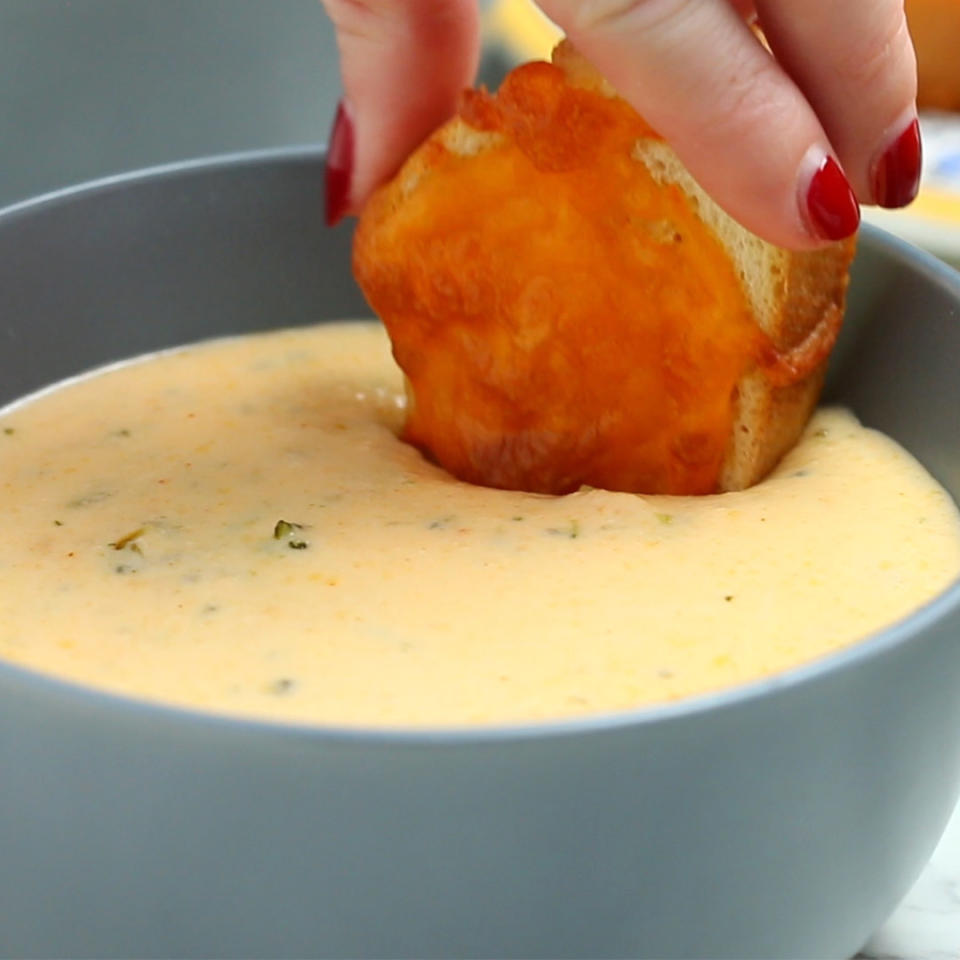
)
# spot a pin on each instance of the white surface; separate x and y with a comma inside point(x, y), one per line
point(926, 926)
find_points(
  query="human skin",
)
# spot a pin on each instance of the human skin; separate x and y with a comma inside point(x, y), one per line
point(789, 140)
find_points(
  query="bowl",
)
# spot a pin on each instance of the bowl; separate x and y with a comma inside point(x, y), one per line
point(784, 818)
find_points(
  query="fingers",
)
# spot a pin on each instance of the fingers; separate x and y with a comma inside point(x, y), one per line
point(404, 64)
point(740, 124)
point(855, 64)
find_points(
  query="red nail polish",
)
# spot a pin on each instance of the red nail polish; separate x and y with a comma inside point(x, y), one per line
point(896, 176)
point(339, 167)
point(832, 209)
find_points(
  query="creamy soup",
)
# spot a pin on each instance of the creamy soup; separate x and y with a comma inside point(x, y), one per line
point(236, 527)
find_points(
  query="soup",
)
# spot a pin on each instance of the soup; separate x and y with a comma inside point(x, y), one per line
point(236, 527)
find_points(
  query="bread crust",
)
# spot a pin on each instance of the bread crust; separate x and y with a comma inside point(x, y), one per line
point(797, 298)
point(774, 402)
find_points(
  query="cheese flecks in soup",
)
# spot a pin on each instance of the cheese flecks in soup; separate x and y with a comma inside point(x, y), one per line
point(237, 527)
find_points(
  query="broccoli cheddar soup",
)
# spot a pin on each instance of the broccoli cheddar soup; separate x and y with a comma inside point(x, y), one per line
point(236, 527)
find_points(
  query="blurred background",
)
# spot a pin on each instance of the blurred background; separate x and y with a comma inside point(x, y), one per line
point(93, 87)
point(90, 87)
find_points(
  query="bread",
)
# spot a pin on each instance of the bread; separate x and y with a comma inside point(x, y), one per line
point(571, 309)
point(935, 28)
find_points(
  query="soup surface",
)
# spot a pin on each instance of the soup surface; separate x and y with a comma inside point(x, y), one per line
point(236, 527)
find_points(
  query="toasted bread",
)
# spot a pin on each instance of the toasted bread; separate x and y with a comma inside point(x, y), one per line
point(686, 360)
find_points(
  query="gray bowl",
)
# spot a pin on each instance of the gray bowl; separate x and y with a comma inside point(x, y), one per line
point(781, 819)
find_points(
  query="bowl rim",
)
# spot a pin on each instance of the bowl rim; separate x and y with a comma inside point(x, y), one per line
point(873, 646)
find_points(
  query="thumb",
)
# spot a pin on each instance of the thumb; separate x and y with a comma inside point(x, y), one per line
point(403, 64)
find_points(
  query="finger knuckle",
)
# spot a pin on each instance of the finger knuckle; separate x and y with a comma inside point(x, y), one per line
point(875, 55)
point(744, 102)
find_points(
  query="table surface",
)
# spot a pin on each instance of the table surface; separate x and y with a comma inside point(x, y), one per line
point(926, 926)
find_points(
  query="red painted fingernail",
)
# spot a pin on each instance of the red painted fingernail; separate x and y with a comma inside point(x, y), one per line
point(832, 209)
point(896, 176)
point(339, 167)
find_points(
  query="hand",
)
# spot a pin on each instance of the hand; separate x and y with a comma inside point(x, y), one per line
point(787, 143)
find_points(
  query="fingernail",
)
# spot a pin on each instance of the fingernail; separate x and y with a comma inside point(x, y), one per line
point(896, 175)
point(339, 167)
point(832, 211)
